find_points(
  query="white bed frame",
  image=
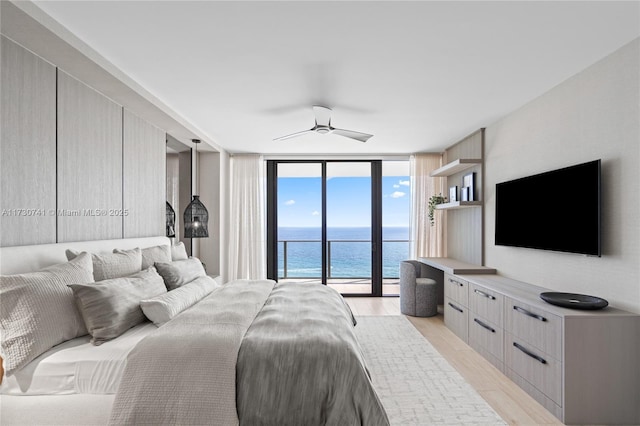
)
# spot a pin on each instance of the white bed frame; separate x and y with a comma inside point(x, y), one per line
point(77, 409)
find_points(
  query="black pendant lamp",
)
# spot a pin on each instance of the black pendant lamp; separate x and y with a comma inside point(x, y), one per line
point(196, 216)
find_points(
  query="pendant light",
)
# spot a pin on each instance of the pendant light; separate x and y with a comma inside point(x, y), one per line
point(171, 221)
point(196, 216)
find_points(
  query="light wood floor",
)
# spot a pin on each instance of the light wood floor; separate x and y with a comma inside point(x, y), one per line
point(507, 399)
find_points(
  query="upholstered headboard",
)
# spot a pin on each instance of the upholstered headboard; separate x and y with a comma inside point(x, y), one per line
point(21, 259)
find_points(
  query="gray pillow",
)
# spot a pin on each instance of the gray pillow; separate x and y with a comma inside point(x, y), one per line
point(113, 265)
point(180, 272)
point(111, 307)
point(151, 255)
point(164, 307)
point(179, 252)
point(37, 310)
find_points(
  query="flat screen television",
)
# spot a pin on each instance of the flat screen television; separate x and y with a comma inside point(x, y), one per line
point(557, 210)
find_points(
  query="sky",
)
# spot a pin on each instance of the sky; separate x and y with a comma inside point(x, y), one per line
point(348, 201)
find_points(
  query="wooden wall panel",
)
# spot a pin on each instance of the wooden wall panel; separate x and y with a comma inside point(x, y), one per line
point(28, 151)
point(89, 163)
point(144, 174)
point(465, 230)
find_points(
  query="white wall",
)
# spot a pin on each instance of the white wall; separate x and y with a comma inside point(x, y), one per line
point(594, 114)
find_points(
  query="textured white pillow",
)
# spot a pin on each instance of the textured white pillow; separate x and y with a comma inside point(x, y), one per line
point(113, 265)
point(180, 272)
point(164, 307)
point(179, 252)
point(111, 307)
point(151, 255)
point(37, 310)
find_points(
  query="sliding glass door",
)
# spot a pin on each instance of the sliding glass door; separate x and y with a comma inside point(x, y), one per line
point(325, 224)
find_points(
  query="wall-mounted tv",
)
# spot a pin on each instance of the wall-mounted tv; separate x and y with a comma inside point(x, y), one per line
point(557, 210)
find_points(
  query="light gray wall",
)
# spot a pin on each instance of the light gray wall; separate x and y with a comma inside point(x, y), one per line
point(89, 152)
point(593, 115)
point(28, 134)
point(73, 158)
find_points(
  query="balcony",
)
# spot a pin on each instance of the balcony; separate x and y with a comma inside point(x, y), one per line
point(349, 263)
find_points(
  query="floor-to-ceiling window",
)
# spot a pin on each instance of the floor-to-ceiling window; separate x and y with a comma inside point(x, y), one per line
point(341, 223)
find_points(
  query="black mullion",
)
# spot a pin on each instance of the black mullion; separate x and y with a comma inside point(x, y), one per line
point(324, 222)
point(376, 228)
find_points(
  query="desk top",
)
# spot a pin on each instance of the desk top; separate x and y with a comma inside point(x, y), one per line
point(456, 267)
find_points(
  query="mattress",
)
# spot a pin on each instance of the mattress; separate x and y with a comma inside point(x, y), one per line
point(77, 367)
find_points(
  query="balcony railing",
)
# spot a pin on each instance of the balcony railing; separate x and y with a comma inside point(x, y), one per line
point(346, 255)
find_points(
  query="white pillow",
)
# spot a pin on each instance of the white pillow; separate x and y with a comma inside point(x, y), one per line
point(37, 310)
point(113, 265)
point(180, 272)
point(164, 307)
point(179, 252)
point(111, 307)
point(151, 255)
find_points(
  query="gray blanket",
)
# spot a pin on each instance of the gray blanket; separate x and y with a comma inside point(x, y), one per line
point(252, 355)
point(300, 363)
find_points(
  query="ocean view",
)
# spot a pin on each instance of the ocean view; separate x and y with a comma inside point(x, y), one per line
point(350, 252)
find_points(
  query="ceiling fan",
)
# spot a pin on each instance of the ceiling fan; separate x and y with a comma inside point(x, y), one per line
point(323, 126)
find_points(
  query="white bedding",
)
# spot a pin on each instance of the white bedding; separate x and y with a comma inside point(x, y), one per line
point(77, 366)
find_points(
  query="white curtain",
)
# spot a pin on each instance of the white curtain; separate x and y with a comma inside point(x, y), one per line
point(247, 234)
point(426, 240)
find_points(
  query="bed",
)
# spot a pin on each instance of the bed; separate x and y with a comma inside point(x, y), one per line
point(249, 352)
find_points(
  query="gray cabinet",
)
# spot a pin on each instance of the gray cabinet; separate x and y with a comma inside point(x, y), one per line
point(580, 365)
point(456, 312)
point(486, 333)
point(28, 150)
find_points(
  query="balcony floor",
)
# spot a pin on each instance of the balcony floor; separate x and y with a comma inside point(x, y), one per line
point(390, 286)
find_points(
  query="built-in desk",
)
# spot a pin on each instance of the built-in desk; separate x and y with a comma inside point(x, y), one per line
point(455, 267)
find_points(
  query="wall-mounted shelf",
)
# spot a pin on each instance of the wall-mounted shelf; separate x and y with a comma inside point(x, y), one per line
point(455, 167)
point(458, 205)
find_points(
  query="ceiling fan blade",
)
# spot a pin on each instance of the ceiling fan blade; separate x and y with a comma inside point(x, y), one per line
point(293, 135)
point(362, 137)
point(323, 115)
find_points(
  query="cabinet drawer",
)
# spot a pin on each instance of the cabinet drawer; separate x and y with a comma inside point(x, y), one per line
point(538, 368)
point(485, 336)
point(456, 318)
point(534, 326)
point(456, 289)
point(486, 303)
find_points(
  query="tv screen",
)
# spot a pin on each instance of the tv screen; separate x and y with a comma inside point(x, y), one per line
point(557, 210)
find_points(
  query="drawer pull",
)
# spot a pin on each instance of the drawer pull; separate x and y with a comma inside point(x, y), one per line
point(530, 314)
point(456, 282)
point(531, 354)
point(482, 293)
point(455, 307)
point(483, 325)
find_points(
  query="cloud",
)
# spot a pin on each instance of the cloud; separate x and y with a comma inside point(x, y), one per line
point(289, 203)
point(315, 213)
point(396, 186)
point(397, 194)
point(405, 182)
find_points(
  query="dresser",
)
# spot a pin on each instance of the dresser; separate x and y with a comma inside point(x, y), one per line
point(582, 366)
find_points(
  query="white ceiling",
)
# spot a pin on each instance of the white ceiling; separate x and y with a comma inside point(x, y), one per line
point(416, 75)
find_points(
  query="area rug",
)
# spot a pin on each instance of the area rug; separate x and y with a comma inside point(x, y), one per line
point(416, 385)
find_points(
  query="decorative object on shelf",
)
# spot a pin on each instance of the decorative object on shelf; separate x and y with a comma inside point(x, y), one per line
point(468, 183)
point(433, 201)
point(171, 221)
point(574, 300)
point(464, 194)
point(196, 216)
point(453, 193)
